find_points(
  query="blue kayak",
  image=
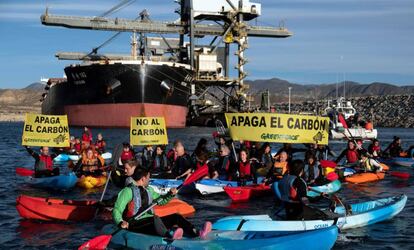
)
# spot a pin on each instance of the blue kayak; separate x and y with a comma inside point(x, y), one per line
point(311, 240)
point(330, 188)
point(362, 214)
point(61, 182)
point(400, 161)
point(61, 158)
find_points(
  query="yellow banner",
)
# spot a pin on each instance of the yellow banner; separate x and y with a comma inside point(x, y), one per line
point(283, 128)
point(46, 130)
point(148, 131)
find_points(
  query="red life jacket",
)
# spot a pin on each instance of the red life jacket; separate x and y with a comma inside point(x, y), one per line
point(46, 161)
point(244, 169)
point(352, 156)
point(87, 136)
point(376, 148)
point(99, 144)
point(125, 156)
point(77, 147)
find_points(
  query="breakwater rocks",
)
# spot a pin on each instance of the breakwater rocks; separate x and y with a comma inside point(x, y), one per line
point(385, 111)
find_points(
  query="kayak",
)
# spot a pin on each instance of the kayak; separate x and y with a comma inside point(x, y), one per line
point(329, 188)
point(105, 156)
point(61, 182)
point(313, 240)
point(364, 177)
point(363, 214)
point(48, 209)
point(401, 161)
point(61, 157)
point(89, 182)
point(244, 193)
point(213, 186)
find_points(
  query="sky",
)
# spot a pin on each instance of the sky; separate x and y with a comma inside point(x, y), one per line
point(353, 40)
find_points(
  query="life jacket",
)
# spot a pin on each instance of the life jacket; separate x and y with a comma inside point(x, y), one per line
point(141, 199)
point(200, 165)
point(376, 148)
point(367, 165)
point(126, 155)
point(311, 176)
point(77, 147)
point(369, 126)
point(280, 168)
point(245, 169)
point(159, 162)
point(45, 163)
point(100, 144)
point(87, 136)
point(352, 156)
point(288, 192)
point(89, 165)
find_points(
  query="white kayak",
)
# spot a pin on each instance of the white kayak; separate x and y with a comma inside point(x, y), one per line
point(363, 214)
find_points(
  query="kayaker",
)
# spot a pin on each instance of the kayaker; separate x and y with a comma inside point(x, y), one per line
point(201, 147)
point(159, 160)
point(287, 147)
point(368, 164)
point(293, 191)
point(77, 147)
point(350, 152)
point(202, 161)
point(375, 149)
point(225, 165)
point(182, 165)
point(147, 157)
point(245, 170)
point(127, 154)
point(90, 164)
point(43, 162)
point(395, 148)
point(138, 196)
point(87, 136)
point(280, 167)
point(319, 151)
point(100, 144)
point(312, 172)
point(266, 158)
point(130, 167)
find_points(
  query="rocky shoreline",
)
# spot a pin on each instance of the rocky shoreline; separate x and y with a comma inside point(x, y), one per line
point(395, 111)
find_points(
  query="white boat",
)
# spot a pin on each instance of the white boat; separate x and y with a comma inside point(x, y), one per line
point(337, 130)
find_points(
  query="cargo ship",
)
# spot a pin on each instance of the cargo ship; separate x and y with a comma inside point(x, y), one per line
point(174, 78)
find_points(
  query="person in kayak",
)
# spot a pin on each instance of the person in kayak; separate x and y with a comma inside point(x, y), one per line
point(43, 162)
point(77, 147)
point(293, 192)
point(375, 149)
point(368, 164)
point(138, 196)
point(87, 136)
point(287, 147)
point(245, 170)
point(90, 164)
point(312, 172)
point(160, 163)
point(225, 164)
point(202, 161)
point(351, 154)
point(100, 144)
point(148, 157)
point(279, 168)
point(266, 159)
point(182, 165)
point(395, 148)
point(127, 154)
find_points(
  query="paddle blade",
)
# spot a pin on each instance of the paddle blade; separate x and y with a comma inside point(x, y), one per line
point(198, 174)
point(402, 175)
point(327, 164)
point(24, 172)
point(342, 121)
point(97, 243)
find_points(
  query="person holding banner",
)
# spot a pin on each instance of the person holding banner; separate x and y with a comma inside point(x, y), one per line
point(87, 136)
point(43, 162)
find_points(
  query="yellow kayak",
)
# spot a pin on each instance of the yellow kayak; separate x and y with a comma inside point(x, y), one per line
point(89, 182)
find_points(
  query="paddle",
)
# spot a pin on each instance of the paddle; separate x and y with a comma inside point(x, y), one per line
point(336, 198)
point(102, 241)
point(24, 172)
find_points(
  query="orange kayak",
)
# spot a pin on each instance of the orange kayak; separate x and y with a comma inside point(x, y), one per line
point(364, 177)
point(49, 209)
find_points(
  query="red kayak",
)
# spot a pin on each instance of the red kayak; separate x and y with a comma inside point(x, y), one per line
point(49, 209)
point(244, 193)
